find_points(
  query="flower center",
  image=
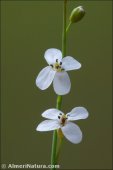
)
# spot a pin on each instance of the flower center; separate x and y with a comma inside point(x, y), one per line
point(57, 66)
point(63, 119)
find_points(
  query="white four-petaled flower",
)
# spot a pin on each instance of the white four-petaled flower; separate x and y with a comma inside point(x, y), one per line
point(56, 71)
point(59, 120)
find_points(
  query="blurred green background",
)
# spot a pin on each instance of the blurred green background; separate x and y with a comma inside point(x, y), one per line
point(28, 28)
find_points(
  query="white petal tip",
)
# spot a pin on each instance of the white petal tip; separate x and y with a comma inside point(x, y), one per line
point(80, 65)
point(40, 128)
point(40, 87)
point(70, 63)
point(37, 129)
point(77, 142)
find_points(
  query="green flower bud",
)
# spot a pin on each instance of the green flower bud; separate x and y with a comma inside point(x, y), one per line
point(77, 14)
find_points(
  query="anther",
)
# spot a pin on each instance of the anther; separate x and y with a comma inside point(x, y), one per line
point(56, 60)
point(62, 69)
point(60, 114)
point(59, 117)
point(51, 65)
point(57, 67)
point(60, 63)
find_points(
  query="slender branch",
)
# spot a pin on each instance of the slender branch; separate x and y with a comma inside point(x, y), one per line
point(67, 29)
point(59, 98)
point(59, 146)
point(54, 148)
point(64, 29)
point(59, 102)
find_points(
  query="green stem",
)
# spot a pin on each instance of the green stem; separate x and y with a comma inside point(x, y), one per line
point(54, 144)
point(59, 102)
point(59, 148)
point(67, 29)
point(59, 98)
point(64, 29)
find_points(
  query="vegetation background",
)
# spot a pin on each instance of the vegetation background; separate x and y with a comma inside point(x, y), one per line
point(28, 28)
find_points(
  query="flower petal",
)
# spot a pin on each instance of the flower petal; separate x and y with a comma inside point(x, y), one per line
point(52, 54)
point(45, 78)
point(61, 83)
point(78, 113)
point(51, 114)
point(48, 125)
point(69, 63)
point(72, 132)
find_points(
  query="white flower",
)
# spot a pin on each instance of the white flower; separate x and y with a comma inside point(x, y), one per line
point(56, 71)
point(60, 120)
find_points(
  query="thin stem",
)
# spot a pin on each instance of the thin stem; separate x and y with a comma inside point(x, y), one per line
point(59, 98)
point(54, 144)
point(64, 29)
point(59, 148)
point(67, 29)
point(59, 102)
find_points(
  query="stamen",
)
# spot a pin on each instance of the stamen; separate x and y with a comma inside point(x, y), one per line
point(58, 117)
point(60, 114)
point(63, 121)
point(62, 69)
point(51, 65)
point(57, 67)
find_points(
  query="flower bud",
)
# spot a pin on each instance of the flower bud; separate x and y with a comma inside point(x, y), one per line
point(77, 14)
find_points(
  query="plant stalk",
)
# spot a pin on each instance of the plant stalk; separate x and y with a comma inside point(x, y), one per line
point(59, 98)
